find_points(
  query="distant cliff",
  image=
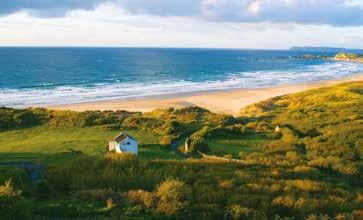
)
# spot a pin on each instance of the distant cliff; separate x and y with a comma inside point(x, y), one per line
point(326, 49)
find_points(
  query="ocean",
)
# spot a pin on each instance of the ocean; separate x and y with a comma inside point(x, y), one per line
point(50, 76)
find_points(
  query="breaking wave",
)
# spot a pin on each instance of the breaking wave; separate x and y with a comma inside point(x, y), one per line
point(43, 96)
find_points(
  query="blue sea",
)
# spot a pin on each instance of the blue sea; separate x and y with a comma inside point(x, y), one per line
point(49, 76)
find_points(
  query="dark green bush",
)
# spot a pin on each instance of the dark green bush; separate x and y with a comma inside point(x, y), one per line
point(12, 204)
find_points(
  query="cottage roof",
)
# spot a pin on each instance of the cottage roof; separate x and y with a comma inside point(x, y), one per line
point(122, 136)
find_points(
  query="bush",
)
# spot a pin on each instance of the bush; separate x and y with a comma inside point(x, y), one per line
point(357, 214)
point(20, 118)
point(141, 197)
point(167, 140)
point(347, 169)
point(304, 185)
point(173, 197)
point(283, 205)
point(304, 169)
point(238, 212)
point(8, 194)
point(199, 144)
point(198, 140)
point(172, 127)
point(12, 205)
point(142, 123)
point(43, 189)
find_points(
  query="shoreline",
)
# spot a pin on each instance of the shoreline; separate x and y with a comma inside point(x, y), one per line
point(219, 101)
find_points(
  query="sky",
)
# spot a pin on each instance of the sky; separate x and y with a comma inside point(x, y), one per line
point(261, 24)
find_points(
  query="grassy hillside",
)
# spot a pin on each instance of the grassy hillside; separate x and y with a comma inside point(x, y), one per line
point(56, 144)
point(325, 125)
point(308, 168)
point(349, 57)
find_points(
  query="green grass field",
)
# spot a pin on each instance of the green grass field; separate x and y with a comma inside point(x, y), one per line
point(54, 144)
point(236, 144)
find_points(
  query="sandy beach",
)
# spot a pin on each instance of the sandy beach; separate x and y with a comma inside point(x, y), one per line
point(227, 101)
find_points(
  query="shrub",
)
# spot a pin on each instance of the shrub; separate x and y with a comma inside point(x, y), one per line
point(12, 205)
point(173, 196)
point(347, 169)
point(317, 217)
point(242, 155)
point(304, 185)
point(8, 194)
point(198, 140)
point(292, 156)
point(226, 184)
point(238, 212)
point(304, 169)
point(167, 140)
point(142, 123)
point(284, 202)
point(43, 189)
point(199, 144)
point(359, 198)
point(172, 127)
point(20, 118)
point(357, 214)
point(141, 197)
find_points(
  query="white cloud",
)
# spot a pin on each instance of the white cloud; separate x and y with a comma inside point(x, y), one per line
point(254, 7)
point(110, 25)
point(331, 12)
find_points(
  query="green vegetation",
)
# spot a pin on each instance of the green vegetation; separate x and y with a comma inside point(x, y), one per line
point(236, 144)
point(12, 204)
point(349, 57)
point(323, 126)
point(55, 142)
point(297, 156)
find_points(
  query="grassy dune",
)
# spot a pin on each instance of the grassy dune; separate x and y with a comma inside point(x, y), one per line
point(311, 168)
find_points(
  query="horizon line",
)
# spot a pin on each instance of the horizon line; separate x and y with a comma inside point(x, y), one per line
point(166, 47)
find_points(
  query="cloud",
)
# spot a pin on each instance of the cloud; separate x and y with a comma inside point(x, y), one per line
point(46, 8)
point(112, 26)
point(330, 12)
point(161, 7)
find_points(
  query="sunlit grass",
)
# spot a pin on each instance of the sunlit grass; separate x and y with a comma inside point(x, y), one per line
point(235, 144)
point(48, 144)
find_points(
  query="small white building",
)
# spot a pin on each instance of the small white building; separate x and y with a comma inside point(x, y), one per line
point(123, 143)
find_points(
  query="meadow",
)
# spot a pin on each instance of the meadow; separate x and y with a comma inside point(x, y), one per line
point(297, 156)
point(46, 144)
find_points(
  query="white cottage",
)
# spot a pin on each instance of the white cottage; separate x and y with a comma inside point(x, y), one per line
point(123, 143)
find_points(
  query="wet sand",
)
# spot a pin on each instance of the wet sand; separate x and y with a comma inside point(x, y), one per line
point(226, 101)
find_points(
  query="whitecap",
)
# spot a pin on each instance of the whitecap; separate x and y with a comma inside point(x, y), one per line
point(52, 95)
